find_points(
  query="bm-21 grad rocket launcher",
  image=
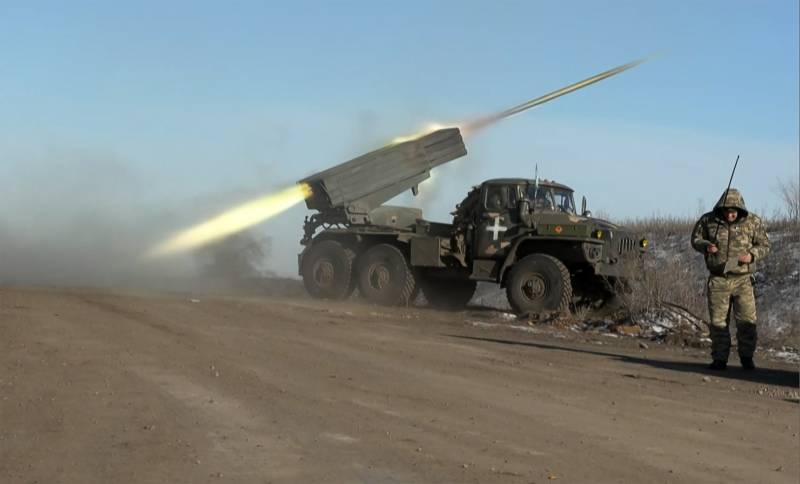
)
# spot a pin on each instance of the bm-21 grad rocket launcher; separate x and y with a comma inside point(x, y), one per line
point(525, 235)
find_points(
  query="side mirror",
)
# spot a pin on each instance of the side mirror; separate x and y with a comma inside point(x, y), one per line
point(585, 212)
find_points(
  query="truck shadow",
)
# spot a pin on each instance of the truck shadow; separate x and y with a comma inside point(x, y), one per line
point(765, 376)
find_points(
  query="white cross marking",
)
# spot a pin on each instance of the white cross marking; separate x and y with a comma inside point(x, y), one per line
point(496, 229)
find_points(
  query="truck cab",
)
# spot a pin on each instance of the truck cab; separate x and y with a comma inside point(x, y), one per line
point(528, 236)
point(510, 207)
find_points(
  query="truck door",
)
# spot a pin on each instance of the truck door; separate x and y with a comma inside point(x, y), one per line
point(496, 222)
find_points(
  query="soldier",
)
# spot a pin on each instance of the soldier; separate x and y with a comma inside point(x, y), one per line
point(732, 241)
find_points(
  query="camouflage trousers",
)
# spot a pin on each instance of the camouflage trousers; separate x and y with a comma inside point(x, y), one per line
point(731, 296)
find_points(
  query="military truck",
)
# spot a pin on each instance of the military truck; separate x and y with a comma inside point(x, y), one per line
point(525, 235)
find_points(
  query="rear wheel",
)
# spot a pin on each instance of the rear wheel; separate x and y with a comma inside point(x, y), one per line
point(385, 277)
point(448, 293)
point(328, 270)
point(538, 283)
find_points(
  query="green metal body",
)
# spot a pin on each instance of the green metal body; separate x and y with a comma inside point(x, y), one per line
point(497, 223)
point(489, 238)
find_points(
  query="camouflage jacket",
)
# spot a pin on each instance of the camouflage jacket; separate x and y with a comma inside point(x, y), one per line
point(744, 235)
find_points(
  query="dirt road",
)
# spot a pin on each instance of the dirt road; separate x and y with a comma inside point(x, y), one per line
point(98, 388)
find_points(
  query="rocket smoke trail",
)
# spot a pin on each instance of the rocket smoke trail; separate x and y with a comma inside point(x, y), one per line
point(486, 121)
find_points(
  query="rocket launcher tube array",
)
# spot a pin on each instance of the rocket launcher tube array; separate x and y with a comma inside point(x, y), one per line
point(368, 181)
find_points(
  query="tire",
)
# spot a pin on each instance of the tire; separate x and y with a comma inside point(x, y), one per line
point(539, 283)
point(448, 293)
point(328, 270)
point(385, 277)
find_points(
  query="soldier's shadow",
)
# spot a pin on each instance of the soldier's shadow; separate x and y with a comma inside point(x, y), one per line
point(766, 376)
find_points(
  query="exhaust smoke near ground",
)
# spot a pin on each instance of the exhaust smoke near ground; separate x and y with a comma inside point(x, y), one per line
point(241, 255)
point(85, 220)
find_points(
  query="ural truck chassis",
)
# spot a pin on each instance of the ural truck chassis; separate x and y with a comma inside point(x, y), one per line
point(525, 235)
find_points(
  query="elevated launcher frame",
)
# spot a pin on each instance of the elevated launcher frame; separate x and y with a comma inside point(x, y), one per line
point(348, 193)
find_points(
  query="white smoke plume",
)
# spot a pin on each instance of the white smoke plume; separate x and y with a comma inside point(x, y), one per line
point(80, 219)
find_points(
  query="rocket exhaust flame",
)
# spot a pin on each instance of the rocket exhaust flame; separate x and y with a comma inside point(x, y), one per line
point(234, 220)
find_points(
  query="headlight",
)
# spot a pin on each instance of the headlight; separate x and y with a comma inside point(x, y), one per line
point(644, 243)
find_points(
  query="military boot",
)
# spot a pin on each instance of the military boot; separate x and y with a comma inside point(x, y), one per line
point(747, 363)
point(718, 365)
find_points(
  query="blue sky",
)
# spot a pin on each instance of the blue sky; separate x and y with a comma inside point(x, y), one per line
point(173, 103)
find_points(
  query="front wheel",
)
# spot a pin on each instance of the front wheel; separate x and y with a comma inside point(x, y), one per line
point(385, 277)
point(328, 270)
point(538, 283)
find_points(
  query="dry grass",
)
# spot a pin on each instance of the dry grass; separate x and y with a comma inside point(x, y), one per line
point(786, 225)
point(674, 279)
point(661, 226)
point(790, 195)
point(665, 285)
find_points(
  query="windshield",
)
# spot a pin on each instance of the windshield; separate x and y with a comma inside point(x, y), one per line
point(550, 198)
point(564, 201)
